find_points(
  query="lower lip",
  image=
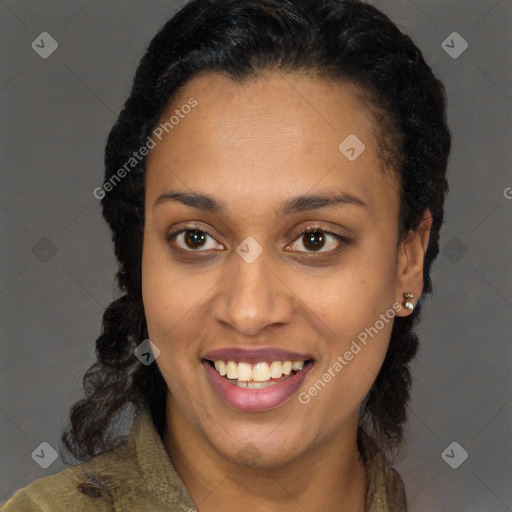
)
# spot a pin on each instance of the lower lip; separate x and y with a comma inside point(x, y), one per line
point(253, 400)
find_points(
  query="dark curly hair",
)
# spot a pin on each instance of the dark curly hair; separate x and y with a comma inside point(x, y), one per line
point(338, 40)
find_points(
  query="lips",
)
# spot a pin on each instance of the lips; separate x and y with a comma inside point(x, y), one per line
point(241, 391)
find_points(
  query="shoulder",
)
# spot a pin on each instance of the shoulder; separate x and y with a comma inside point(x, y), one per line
point(84, 487)
point(137, 472)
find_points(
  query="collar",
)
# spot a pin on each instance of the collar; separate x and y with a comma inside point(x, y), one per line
point(159, 474)
point(385, 489)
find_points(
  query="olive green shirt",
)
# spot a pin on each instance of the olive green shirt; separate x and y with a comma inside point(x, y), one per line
point(138, 476)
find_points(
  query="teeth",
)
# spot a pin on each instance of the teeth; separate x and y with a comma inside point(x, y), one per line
point(260, 372)
point(298, 365)
point(276, 370)
point(244, 371)
point(232, 370)
point(254, 385)
point(220, 366)
point(250, 376)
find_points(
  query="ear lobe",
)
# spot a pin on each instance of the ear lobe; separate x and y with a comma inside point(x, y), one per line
point(410, 265)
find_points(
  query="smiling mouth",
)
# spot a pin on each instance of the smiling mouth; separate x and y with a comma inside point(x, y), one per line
point(258, 375)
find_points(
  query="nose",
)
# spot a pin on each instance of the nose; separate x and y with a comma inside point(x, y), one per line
point(253, 297)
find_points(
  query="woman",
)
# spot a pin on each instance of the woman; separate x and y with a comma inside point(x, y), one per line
point(275, 186)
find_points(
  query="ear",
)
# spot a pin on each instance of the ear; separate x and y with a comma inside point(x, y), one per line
point(411, 259)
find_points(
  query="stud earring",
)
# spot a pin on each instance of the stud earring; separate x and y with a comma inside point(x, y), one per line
point(407, 303)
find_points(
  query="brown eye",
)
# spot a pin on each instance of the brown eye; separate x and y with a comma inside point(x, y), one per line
point(195, 238)
point(314, 240)
point(317, 240)
point(192, 239)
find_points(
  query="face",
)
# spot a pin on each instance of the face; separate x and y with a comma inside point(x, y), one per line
point(266, 244)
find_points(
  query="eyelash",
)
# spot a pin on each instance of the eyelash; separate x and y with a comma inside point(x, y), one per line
point(313, 229)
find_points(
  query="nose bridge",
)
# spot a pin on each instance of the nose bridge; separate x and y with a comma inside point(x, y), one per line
point(252, 297)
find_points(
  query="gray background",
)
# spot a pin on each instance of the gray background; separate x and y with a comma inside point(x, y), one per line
point(55, 114)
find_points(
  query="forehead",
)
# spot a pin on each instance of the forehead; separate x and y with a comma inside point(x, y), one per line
point(269, 137)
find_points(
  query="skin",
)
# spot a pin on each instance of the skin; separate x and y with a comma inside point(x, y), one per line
point(253, 146)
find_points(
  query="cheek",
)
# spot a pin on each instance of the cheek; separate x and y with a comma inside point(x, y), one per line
point(166, 310)
point(357, 322)
point(352, 356)
point(355, 294)
point(174, 299)
point(164, 295)
point(353, 309)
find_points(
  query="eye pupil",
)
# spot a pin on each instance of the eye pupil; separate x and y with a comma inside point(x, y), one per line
point(314, 240)
point(195, 238)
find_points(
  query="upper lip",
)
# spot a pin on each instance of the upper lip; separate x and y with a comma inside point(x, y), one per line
point(255, 355)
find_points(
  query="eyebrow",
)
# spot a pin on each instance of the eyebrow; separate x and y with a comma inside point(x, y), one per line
point(297, 204)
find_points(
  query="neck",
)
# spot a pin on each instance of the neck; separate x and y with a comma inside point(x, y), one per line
point(328, 476)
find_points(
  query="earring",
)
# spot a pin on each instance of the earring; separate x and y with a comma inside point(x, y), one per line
point(407, 303)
